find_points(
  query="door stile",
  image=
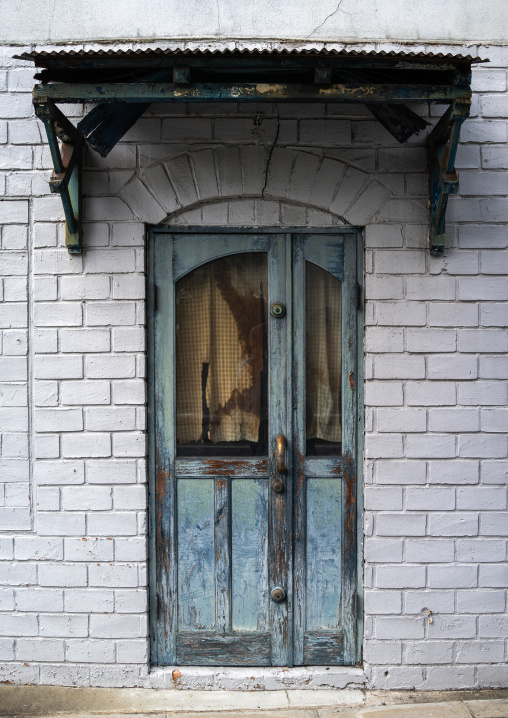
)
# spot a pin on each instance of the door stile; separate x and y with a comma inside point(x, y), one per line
point(163, 373)
point(278, 550)
point(349, 413)
point(222, 541)
point(298, 412)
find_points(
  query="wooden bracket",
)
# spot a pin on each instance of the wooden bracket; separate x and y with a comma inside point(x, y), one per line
point(66, 147)
point(442, 149)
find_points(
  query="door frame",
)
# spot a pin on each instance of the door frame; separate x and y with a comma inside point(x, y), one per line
point(151, 305)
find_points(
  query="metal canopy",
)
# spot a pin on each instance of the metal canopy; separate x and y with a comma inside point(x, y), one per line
point(125, 82)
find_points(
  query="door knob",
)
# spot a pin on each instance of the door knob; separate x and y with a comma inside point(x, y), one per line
point(278, 594)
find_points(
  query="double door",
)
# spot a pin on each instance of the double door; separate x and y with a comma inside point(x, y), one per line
point(253, 416)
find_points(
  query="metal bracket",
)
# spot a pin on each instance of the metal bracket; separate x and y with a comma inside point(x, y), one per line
point(443, 181)
point(66, 147)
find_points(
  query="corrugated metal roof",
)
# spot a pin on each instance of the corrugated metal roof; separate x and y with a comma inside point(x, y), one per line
point(245, 48)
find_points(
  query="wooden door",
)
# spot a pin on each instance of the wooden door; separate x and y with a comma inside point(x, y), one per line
point(253, 444)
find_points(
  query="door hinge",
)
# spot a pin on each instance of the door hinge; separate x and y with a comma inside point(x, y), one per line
point(156, 605)
point(154, 297)
point(358, 295)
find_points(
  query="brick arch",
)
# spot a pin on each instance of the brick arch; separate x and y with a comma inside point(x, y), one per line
point(160, 192)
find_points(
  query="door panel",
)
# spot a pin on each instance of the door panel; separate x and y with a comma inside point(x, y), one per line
point(253, 429)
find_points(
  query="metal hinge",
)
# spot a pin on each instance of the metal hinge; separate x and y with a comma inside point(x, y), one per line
point(358, 295)
point(154, 297)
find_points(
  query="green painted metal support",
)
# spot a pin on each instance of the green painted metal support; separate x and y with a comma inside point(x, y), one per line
point(249, 92)
point(442, 148)
point(66, 147)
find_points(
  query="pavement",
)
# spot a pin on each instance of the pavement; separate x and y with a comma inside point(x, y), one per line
point(54, 702)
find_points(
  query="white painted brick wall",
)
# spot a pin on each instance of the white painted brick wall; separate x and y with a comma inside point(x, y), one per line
point(73, 605)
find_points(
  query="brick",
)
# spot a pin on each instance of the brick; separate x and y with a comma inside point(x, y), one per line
point(383, 652)
point(85, 392)
point(63, 626)
point(58, 367)
point(383, 446)
point(396, 627)
point(452, 366)
point(129, 444)
point(86, 445)
point(30, 548)
point(490, 601)
point(47, 446)
point(62, 575)
point(480, 652)
point(483, 446)
point(129, 392)
point(86, 498)
point(89, 651)
point(109, 313)
point(111, 472)
point(104, 208)
point(448, 314)
point(14, 419)
point(110, 419)
point(485, 550)
point(111, 626)
point(60, 524)
point(438, 601)
point(493, 676)
point(428, 652)
point(452, 576)
point(380, 287)
point(18, 625)
point(85, 340)
point(494, 524)
point(480, 236)
point(105, 261)
point(492, 367)
point(453, 524)
point(110, 367)
point(46, 341)
point(12, 315)
point(59, 472)
point(494, 210)
point(495, 420)
point(399, 366)
point(480, 498)
point(132, 651)
point(129, 339)
point(14, 211)
point(401, 472)
point(493, 626)
point(453, 472)
point(430, 288)
point(16, 574)
point(493, 575)
point(401, 524)
point(383, 393)
point(430, 499)
point(58, 420)
point(483, 288)
point(454, 420)
point(429, 551)
point(428, 393)
point(433, 446)
point(113, 576)
point(115, 524)
point(131, 549)
point(130, 498)
point(383, 602)
point(401, 313)
point(39, 650)
point(454, 678)
point(89, 600)
point(383, 498)
point(406, 261)
point(493, 314)
point(431, 340)
point(403, 420)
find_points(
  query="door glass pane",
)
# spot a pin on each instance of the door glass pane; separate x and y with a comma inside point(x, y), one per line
point(249, 531)
point(221, 358)
point(196, 570)
point(324, 554)
point(323, 348)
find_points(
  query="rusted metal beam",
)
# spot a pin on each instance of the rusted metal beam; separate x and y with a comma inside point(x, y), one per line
point(443, 181)
point(65, 144)
point(137, 92)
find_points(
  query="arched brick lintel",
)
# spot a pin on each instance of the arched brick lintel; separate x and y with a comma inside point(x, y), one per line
point(163, 191)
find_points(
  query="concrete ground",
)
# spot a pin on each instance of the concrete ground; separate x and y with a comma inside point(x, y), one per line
point(125, 702)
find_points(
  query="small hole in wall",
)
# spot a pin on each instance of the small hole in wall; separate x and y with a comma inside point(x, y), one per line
point(387, 673)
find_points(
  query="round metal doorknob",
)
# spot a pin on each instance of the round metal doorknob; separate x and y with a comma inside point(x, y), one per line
point(278, 487)
point(278, 594)
point(277, 310)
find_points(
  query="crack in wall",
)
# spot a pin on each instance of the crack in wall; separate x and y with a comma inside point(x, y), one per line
point(337, 9)
point(270, 154)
